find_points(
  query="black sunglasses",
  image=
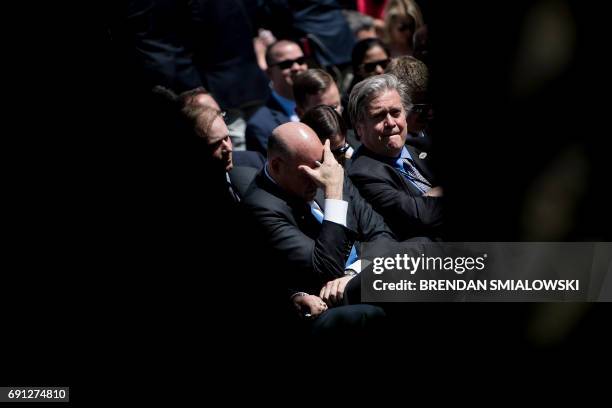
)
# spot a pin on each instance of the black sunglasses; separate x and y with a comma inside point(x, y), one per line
point(371, 66)
point(341, 150)
point(289, 63)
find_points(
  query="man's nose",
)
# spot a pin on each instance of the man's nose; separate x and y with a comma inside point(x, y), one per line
point(379, 70)
point(389, 121)
point(227, 145)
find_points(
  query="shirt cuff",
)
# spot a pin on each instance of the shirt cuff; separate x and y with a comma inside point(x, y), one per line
point(335, 211)
point(355, 266)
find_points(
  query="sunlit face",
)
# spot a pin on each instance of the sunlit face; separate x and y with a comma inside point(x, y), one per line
point(374, 62)
point(219, 144)
point(282, 77)
point(383, 130)
point(329, 97)
point(402, 31)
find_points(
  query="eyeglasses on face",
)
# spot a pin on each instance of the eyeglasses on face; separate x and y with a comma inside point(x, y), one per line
point(371, 66)
point(289, 63)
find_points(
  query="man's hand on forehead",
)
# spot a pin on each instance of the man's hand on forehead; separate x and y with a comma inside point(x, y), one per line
point(328, 174)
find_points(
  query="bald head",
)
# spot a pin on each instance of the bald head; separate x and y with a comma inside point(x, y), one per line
point(294, 140)
point(291, 145)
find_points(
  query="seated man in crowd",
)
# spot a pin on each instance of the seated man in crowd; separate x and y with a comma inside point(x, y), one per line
point(389, 174)
point(310, 216)
point(316, 87)
point(200, 97)
point(285, 60)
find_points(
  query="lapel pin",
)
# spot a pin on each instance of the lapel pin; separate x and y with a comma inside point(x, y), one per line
point(422, 155)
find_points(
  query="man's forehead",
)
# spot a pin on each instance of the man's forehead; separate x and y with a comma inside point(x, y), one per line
point(286, 48)
point(387, 99)
point(218, 131)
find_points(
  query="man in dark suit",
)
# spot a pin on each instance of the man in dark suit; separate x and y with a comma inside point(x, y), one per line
point(285, 60)
point(391, 175)
point(310, 216)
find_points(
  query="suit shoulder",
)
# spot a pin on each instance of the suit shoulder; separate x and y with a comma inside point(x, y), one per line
point(258, 197)
point(262, 114)
point(248, 158)
point(365, 165)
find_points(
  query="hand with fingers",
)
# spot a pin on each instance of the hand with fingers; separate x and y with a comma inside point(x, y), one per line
point(332, 292)
point(435, 192)
point(329, 175)
point(309, 306)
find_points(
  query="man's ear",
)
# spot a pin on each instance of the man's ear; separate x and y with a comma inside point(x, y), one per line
point(358, 131)
point(275, 164)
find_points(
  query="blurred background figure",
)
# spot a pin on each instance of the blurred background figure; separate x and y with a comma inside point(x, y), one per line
point(376, 10)
point(361, 25)
point(403, 18)
point(319, 26)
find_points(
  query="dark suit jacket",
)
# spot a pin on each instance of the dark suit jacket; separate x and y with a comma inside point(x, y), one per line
point(262, 123)
point(305, 254)
point(241, 178)
point(222, 42)
point(248, 159)
point(149, 38)
point(321, 21)
point(406, 211)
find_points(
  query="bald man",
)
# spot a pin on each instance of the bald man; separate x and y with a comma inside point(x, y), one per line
point(309, 216)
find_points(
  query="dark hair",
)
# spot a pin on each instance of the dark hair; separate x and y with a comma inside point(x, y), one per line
point(411, 72)
point(325, 121)
point(310, 82)
point(362, 47)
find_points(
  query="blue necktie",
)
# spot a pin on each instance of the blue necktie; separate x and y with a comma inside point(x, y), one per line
point(409, 170)
point(319, 217)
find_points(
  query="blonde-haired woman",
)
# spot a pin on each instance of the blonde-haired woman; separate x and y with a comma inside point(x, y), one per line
point(402, 19)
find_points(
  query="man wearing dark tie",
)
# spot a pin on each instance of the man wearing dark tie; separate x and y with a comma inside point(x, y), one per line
point(391, 175)
point(309, 217)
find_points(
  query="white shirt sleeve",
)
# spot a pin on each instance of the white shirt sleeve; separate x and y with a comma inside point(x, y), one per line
point(335, 211)
point(358, 265)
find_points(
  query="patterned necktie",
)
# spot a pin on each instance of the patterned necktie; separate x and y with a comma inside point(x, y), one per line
point(415, 176)
point(319, 217)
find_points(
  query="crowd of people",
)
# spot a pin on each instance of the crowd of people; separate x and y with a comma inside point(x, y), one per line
point(304, 129)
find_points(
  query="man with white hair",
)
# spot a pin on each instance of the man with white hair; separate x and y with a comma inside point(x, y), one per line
point(390, 175)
